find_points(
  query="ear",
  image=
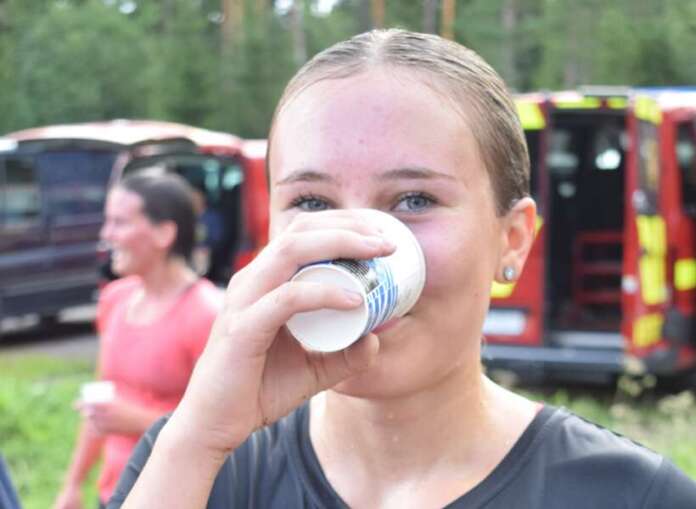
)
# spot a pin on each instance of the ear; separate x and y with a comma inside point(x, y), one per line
point(165, 235)
point(519, 230)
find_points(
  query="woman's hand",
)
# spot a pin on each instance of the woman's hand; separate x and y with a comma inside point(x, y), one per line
point(252, 372)
point(117, 416)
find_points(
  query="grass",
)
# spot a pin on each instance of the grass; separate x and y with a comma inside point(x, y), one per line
point(38, 424)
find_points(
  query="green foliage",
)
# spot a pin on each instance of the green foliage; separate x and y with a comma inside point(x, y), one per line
point(38, 424)
point(78, 60)
point(79, 63)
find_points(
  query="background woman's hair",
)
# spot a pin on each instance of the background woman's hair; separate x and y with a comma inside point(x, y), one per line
point(166, 197)
point(453, 70)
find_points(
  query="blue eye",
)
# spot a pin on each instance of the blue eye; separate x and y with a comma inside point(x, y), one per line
point(310, 203)
point(414, 202)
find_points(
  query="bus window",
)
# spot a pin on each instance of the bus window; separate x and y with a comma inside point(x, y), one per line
point(21, 206)
point(76, 182)
point(686, 158)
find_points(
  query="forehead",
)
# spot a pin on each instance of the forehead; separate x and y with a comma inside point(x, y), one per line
point(123, 200)
point(377, 118)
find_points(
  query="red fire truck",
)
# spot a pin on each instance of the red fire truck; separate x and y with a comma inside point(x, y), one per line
point(610, 283)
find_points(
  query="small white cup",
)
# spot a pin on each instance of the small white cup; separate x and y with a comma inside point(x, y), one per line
point(389, 285)
point(101, 391)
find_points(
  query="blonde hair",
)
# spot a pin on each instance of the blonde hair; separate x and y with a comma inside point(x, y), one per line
point(457, 71)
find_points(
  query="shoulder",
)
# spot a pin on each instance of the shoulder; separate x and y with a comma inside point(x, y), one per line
point(576, 453)
point(207, 297)
point(574, 441)
point(118, 288)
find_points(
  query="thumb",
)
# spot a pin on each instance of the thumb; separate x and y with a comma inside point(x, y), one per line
point(335, 367)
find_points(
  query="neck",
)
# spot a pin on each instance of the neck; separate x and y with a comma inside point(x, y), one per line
point(168, 278)
point(454, 410)
point(465, 424)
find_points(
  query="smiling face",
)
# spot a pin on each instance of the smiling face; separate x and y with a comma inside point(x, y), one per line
point(135, 242)
point(387, 141)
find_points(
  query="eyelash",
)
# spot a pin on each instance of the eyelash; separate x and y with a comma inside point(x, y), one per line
point(429, 199)
point(302, 199)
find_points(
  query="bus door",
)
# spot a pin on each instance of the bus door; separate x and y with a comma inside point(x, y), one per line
point(645, 282)
point(586, 167)
point(684, 270)
point(661, 271)
point(516, 312)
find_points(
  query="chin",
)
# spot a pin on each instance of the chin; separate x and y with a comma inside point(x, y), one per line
point(121, 270)
point(382, 381)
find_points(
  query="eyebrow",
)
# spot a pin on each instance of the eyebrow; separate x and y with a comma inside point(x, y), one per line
point(305, 175)
point(414, 173)
point(410, 173)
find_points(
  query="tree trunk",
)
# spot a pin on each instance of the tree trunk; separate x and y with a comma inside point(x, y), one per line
point(299, 42)
point(509, 16)
point(571, 68)
point(377, 13)
point(233, 16)
point(430, 16)
point(448, 15)
point(364, 13)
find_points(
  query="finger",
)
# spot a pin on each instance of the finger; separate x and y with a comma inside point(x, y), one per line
point(266, 316)
point(281, 259)
point(332, 368)
point(338, 218)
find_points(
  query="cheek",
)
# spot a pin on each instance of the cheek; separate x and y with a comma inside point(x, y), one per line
point(459, 260)
point(443, 267)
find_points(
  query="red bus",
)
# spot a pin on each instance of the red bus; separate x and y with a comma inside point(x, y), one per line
point(610, 284)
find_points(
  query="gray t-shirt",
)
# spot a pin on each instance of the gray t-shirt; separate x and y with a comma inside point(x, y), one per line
point(560, 461)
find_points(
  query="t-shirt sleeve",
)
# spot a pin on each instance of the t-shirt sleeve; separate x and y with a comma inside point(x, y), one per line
point(671, 488)
point(136, 463)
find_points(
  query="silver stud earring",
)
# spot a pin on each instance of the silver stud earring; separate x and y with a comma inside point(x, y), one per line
point(509, 274)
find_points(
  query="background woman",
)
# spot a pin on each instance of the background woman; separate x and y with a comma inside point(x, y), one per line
point(152, 324)
point(421, 128)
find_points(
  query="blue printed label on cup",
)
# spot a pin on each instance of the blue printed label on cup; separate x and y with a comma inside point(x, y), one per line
point(380, 288)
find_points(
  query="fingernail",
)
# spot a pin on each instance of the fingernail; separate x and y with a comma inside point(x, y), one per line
point(388, 244)
point(352, 297)
point(374, 242)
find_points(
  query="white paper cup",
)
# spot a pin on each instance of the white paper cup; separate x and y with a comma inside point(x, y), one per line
point(98, 392)
point(390, 286)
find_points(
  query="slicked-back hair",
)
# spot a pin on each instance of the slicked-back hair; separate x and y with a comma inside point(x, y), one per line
point(472, 85)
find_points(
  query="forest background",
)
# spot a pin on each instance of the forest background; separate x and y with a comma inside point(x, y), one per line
point(222, 64)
